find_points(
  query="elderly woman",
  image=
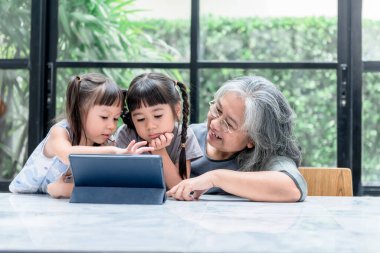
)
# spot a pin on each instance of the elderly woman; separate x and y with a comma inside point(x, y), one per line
point(248, 144)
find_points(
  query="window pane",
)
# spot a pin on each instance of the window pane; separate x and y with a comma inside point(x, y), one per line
point(144, 30)
point(14, 114)
point(371, 30)
point(312, 95)
point(371, 133)
point(15, 28)
point(272, 30)
point(121, 76)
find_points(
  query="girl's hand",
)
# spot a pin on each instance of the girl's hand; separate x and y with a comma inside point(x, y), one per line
point(193, 188)
point(60, 189)
point(110, 142)
point(162, 141)
point(135, 148)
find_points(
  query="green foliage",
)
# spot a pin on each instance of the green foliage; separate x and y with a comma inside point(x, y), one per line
point(14, 43)
point(370, 38)
point(14, 86)
point(269, 39)
point(91, 30)
point(96, 30)
point(370, 129)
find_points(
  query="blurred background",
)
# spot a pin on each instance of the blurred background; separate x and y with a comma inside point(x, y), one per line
point(324, 55)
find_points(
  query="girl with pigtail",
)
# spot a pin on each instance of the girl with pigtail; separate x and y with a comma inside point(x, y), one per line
point(93, 105)
point(156, 113)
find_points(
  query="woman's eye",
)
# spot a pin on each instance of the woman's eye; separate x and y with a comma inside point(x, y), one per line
point(140, 120)
point(230, 125)
point(104, 117)
point(115, 119)
point(158, 116)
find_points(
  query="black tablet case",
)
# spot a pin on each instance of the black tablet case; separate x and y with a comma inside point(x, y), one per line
point(117, 179)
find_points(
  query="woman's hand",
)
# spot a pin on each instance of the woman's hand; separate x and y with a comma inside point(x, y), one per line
point(162, 141)
point(193, 188)
point(135, 148)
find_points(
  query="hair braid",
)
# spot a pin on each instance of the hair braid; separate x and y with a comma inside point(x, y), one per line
point(185, 117)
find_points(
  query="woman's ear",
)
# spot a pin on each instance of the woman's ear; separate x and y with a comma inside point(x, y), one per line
point(250, 143)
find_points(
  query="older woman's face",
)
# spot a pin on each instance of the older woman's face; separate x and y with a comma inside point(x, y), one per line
point(225, 132)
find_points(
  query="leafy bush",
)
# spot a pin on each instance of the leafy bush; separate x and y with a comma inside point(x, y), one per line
point(14, 86)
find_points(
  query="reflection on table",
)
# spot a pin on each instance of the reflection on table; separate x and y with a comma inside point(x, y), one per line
point(212, 224)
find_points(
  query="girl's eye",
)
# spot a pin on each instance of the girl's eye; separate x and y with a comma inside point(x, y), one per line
point(158, 116)
point(116, 119)
point(103, 117)
point(140, 120)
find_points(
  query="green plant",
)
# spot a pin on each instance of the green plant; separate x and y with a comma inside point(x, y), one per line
point(14, 85)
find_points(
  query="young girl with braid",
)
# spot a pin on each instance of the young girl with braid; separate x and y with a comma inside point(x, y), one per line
point(154, 115)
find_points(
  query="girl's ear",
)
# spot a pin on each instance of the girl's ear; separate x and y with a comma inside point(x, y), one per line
point(178, 110)
point(127, 118)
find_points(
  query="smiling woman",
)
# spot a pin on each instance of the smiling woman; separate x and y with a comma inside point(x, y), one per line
point(248, 145)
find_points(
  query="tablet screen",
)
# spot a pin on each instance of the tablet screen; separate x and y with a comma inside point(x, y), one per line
point(138, 171)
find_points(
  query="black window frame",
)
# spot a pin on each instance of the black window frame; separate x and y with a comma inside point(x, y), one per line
point(349, 67)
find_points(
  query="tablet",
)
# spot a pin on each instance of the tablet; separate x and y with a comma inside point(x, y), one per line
point(117, 179)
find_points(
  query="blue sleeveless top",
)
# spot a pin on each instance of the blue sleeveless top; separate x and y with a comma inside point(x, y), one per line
point(39, 170)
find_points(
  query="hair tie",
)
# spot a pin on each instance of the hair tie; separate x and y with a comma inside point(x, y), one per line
point(183, 145)
point(79, 79)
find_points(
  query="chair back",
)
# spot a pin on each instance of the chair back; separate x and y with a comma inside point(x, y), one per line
point(327, 181)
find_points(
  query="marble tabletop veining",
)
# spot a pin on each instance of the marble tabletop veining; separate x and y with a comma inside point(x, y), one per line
point(213, 224)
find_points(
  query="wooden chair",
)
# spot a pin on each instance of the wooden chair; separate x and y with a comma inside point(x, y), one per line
point(327, 181)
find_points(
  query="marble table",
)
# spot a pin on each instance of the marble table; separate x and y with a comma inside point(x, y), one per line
point(35, 223)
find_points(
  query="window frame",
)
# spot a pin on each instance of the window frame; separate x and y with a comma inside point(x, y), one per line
point(43, 67)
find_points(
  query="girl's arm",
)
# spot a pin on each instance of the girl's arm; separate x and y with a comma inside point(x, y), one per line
point(272, 186)
point(171, 172)
point(58, 144)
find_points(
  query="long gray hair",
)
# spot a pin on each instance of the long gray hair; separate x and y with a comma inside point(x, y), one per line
point(268, 120)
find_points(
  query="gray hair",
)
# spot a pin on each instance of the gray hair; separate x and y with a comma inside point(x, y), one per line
point(268, 120)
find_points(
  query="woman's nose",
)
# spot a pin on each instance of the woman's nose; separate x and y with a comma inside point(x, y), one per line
point(215, 123)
